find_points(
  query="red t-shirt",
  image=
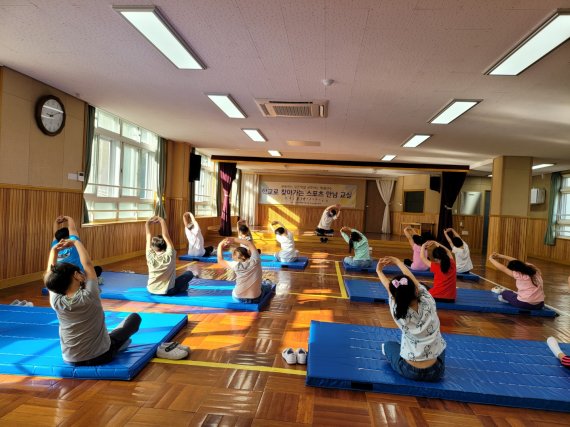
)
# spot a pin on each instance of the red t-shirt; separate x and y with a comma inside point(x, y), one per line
point(444, 284)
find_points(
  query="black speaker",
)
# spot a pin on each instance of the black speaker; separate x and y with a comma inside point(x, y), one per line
point(435, 183)
point(195, 166)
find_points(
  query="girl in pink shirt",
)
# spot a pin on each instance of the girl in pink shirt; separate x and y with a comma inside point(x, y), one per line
point(416, 241)
point(530, 295)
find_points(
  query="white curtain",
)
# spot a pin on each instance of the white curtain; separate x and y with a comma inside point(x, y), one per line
point(385, 188)
point(249, 196)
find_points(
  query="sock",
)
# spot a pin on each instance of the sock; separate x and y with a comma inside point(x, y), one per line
point(553, 346)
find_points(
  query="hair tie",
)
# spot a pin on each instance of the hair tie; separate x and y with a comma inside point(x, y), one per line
point(402, 282)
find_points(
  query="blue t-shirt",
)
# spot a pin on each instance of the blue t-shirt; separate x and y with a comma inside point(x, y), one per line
point(69, 255)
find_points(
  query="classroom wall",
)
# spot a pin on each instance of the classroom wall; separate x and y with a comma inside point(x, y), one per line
point(307, 217)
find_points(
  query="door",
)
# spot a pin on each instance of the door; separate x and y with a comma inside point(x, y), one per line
point(374, 210)
point(486, 221)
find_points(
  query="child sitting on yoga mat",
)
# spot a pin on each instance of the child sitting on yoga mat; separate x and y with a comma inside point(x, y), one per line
point(161, 262)
point(444, 287)
point(329, 215)
point(530, 295)
point(74, 295)
point(194, 236)
point(288, 253)
point(420, 355)
point(250, 287)
point(460, 249)
point(357, 243)
point(416, 241)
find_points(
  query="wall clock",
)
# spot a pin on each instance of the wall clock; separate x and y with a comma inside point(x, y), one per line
point(50, 115)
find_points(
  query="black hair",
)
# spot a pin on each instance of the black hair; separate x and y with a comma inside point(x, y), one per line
point(98, 270)
point(243, 229)
point(332, 212)
point(444, 261)
point(60, 277)
point(457, 242)
point(62, 233)
point(280, 230)
point(523, 268)
point(354, 237)
point(242, 253)
point(418, 240)
point(403, 295)
point(428, 235)
point(158, 243)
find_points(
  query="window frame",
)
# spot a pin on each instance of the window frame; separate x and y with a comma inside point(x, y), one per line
point(563, 193)
point(212, 177)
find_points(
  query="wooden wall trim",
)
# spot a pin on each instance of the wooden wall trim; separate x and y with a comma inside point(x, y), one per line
point(28, 187)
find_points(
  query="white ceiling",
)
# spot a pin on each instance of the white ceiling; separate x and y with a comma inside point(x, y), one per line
point(395, 64)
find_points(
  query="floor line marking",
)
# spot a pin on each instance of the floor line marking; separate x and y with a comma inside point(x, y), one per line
point(230, 366)
point(317, 295)
point(340, 280)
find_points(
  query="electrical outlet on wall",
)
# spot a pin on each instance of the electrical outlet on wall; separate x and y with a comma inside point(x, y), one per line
point(72, 176)
point(464, 232)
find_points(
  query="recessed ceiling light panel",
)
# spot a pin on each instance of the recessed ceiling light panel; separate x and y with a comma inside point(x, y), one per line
point(274, 153)
point(255, 135)
point(388, 157)
point(453, 110)
point(542, 166)
point(415, 140)
point(550, 35)
point(156, 29)
point(227, 104)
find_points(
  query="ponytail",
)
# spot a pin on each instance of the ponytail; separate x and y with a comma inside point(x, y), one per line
point(444, 261)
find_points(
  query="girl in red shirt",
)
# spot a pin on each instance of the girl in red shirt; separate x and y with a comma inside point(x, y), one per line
point(444, 271)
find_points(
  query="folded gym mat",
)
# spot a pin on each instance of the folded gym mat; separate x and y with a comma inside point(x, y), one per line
point(477, 300)
point(392, 269)
point(29, 344)
point(267, 261)
point(202, 292)
point(517, 373)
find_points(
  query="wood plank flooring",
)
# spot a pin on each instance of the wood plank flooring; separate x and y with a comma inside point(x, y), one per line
point(209, 390)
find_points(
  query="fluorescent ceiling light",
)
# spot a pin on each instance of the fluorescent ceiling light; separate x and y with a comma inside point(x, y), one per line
point(274, 153)
point(151, 24)
point(551, 34)
point(388, 157)
point(453, 110)
point(227, 104)
point(542, 165)
point(255, 135)
point(415, 140)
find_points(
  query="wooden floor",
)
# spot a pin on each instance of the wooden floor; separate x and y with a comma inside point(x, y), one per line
point(209, 390)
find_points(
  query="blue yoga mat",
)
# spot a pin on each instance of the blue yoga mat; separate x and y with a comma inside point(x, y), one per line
point(267, 261)
point(477, 300)
point(29, 344)
point(517, 373)
point(202, 292)
point(392, 269)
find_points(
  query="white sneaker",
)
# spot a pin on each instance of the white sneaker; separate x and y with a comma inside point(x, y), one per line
point(497, 290)
point(184, 347)
point(290, 356)
point(16, 302)
point(500, 298)
point(171, 350)
point(26, 304)
point(301, 356)
point(553, 346)
point(100, 280)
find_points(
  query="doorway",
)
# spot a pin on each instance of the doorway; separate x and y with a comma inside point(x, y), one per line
point(374, 210)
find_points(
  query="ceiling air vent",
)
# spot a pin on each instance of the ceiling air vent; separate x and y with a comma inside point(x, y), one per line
point(292, 109)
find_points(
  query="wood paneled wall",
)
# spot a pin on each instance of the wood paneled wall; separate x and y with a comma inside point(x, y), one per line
point(508, 235)
point(396, 219)
point(560, 252)
point(306, 217)
point(472, 224)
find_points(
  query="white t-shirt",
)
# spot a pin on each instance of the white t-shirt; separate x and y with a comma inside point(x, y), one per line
point(421, 338)
point(287, 243)
point(326, 221)
point(195, 241)
point(462, 258)
point(248, 277)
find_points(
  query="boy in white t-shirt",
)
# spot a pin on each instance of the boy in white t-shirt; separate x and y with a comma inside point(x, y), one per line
point(288, 253)
point(195, 238)
point(329, 215)
point(463, 262)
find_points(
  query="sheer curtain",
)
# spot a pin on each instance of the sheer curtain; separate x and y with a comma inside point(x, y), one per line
point(249, 196)
point(385, 188)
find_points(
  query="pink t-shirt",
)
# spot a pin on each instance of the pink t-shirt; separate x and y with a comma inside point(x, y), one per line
point(528, 291)
point(417, 263)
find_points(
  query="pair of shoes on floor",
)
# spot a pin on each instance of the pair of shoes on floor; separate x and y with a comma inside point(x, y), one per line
point(324, 239)
point(172, 351)
point(497, 290)
point(22, 303)
point(293, 357)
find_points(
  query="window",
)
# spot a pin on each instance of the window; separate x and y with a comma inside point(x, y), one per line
point(563, 216)
point(123, 174)
point(414, 201)
point(205, 189)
